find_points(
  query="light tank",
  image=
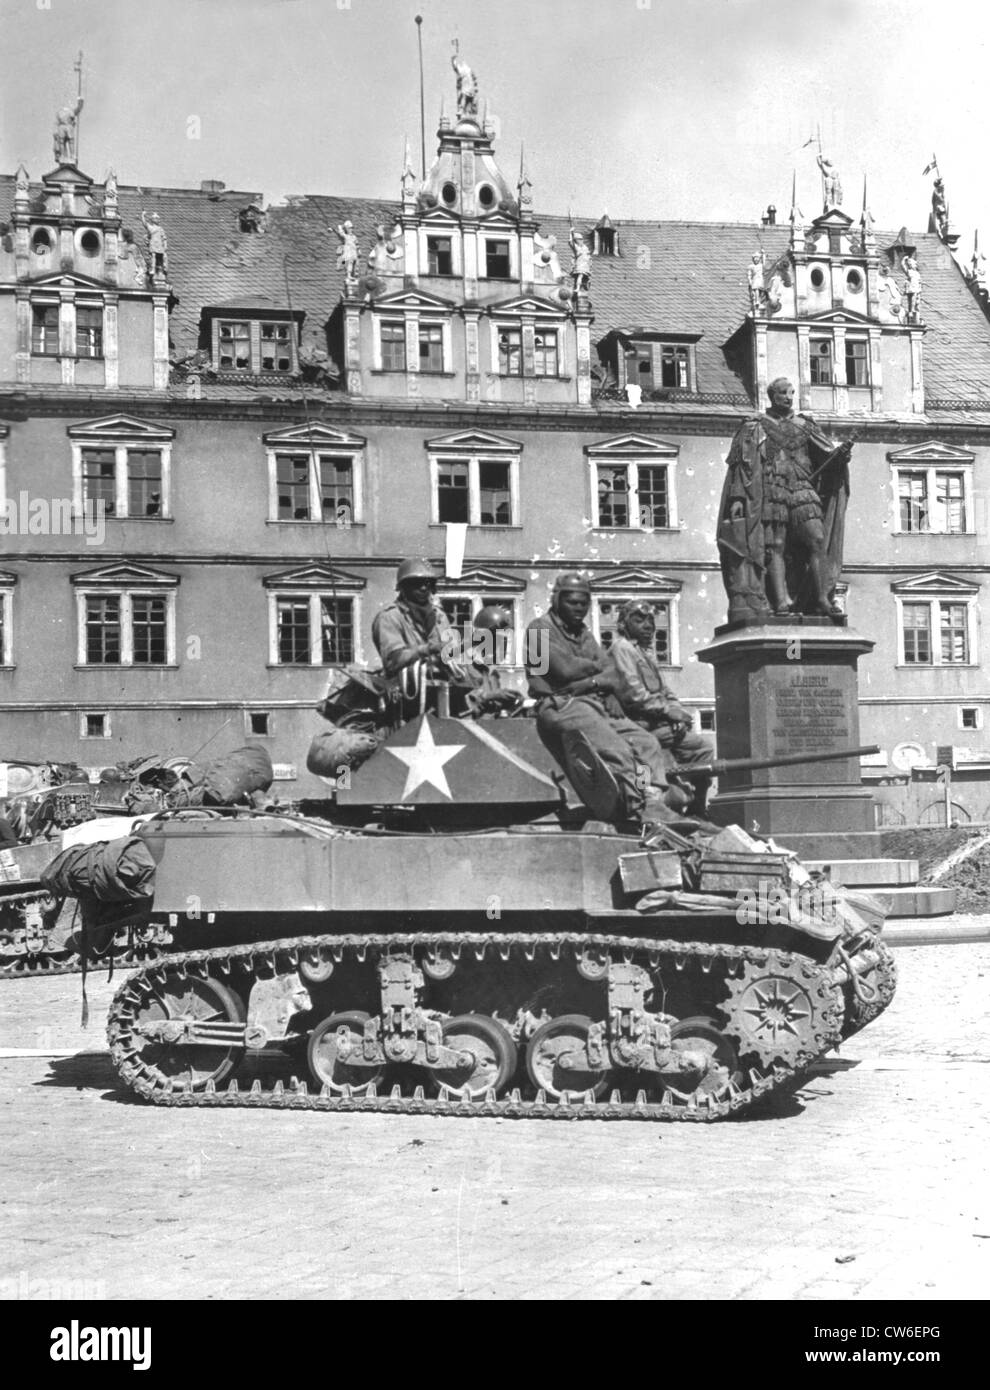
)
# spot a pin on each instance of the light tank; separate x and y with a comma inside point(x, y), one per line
point(457, 934)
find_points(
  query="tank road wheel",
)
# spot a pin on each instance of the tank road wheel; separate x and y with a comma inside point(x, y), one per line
point(704, 1037)
point(546, 1058)
point(492, 1050)
point(203, 1000)
point(328, 1068)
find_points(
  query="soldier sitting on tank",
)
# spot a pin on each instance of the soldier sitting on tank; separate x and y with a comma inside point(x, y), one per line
point(414, 639)
point(486, 693)
point(574, 683)
point(648, 700)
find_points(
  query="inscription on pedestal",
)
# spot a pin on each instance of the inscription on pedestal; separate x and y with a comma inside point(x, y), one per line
point(810, 714)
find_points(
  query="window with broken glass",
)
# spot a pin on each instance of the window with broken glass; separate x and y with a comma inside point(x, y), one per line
point(126, 629)
point(932, 500)
point(314, 630)
point(633, 495)
point(607, 615)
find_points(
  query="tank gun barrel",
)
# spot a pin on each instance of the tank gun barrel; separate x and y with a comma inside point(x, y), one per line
point(720, 765)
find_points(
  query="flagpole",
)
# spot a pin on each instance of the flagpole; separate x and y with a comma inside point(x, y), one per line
point(78, 68)
point(422, 98)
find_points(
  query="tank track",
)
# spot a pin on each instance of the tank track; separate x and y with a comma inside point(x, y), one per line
point(123, 953)
point(243, 965)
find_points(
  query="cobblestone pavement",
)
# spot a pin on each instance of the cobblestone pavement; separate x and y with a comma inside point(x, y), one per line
point(871, 1183)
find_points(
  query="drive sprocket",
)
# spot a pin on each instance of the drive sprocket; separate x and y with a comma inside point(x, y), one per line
point(782, 1010)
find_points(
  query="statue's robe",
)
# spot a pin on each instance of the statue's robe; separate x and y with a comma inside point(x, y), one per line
point(818, 471)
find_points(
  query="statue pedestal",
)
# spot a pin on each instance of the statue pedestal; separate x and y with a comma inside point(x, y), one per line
point(782, 688)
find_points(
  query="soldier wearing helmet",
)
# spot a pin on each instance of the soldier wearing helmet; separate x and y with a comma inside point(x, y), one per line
point(574, 683)
point(414, 627)
point(648, 700)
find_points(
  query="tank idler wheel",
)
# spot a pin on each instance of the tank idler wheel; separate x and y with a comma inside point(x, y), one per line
point(328, 1068)
point(314, 969)
point(205, 1000)
point(702, 1036)
point(547, 1056)
point(492, 1050)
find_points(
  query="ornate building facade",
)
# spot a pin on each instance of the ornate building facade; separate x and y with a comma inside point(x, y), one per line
point(222, 426)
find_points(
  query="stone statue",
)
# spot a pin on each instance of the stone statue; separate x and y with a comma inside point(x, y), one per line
point(548, 254)
point(384, 250)
point(157, 245)
point(467, 86)
point(581, 264)
point(754, 278)
point(782, 514)
point(940, 209)
point(64, 138)
point(888, 286)
point(133, 269)
point(831, 181)
point(347, 252)
point(775, 290)
point(912, 287)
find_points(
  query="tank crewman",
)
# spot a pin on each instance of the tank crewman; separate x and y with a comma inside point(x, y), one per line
point(414, 627)
point(648, 700)
point(574, 683)
point(487, 695)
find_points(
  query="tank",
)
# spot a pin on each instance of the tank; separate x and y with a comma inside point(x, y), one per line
point(457, 933)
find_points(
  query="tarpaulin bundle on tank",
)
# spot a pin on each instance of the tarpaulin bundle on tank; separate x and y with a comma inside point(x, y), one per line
point(334, 749)
point(231, 778)
point(117, 871)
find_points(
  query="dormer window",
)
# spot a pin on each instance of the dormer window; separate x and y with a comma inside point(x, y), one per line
point(674, 362)
point(439, 255)
point(254, 346)
point(605, 242)
point(235, 347)
point(498, 263)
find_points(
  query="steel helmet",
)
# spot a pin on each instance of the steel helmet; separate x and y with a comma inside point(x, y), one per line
point(573, 581)
point(415, 569)
point(492, 618)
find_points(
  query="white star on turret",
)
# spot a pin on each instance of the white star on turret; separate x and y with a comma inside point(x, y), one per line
point(425, 761)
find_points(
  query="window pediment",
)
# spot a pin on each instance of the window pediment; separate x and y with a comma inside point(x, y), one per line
point(520, 305)
point(473, 442)
point(6, 578)
point(933, 451)
point(120, 427)
point(60, 281)
point(632, 446)
point(125, 576)
point(313, 437)
point(409, 301)
point(481, 577)
point(635, 578)
point(315, 577)
point(935, 582)
point(840, 318)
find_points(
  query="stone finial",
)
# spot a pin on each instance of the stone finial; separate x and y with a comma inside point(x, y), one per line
point(408, 182)
point(22, 187)
point(110, 192)
point(912, 288)
point(796, 215)
point(524, 188)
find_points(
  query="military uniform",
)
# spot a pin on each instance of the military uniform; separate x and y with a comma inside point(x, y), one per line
point(555, 658)
point(646, 698)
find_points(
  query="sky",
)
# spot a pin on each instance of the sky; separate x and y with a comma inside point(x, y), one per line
point(653, 109)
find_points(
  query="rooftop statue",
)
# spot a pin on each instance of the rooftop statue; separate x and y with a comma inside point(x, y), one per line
point(831, 183)
point(64, 138)
point(754, 278)
point(467, 85)
point(912, 287)
point(581, 264)
point(157, 244)
point(782, 514)
point(347, 251)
